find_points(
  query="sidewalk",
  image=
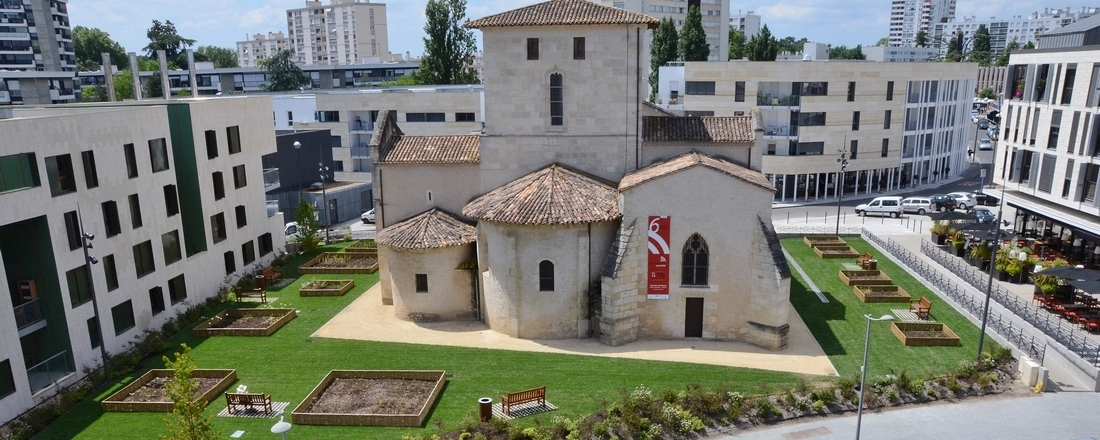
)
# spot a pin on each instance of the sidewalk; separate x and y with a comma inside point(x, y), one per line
point(968, 172)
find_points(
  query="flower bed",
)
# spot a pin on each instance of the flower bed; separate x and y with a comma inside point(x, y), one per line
point(371, 398)
point(341, 263)
point(365, 246)
point(864, 277)
point(919, 334)
point(136, 396)
point(835, 251)
point(326, 287)
point(813, 241)
point(871, 293)
point(244, 322)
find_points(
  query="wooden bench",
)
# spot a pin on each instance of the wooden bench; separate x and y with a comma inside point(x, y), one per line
point(251, 293)
point(865, 260)
point(531, 395)
point(921, 307)
point(248, 400)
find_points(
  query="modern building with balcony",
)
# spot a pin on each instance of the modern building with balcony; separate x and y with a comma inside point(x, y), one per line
point(901, 124)
point(260, 47)
point(342, 32)
point(35, 35)
point(37, 87)
point(173, 193)
point(1001, 32)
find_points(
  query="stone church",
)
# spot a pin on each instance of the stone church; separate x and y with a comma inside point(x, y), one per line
point(580, 211)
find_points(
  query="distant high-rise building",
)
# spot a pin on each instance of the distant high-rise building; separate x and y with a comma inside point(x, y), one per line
point(748, 23)
point(716, 15)
point(251, 52)
point(35, 35)
point(1023, 29)
point(908, 17)
point(342, 32)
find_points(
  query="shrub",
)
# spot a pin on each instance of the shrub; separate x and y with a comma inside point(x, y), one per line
point(802, 403)
point(966, 370)
point(891, 393)
point(846, 386)
point(679, 419)
point(818, 406)
point(765, 409)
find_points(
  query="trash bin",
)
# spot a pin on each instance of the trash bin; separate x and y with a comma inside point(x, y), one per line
point(872, 264)
point(485, 408)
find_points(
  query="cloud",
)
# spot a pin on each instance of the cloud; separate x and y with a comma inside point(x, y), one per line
point(262, 16)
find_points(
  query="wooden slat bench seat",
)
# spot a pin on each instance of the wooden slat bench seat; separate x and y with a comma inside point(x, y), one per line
point(248, 400)
point(270, 275)
point(251, 293)
point(921, 307)
point(531, 395)
point(864, 260)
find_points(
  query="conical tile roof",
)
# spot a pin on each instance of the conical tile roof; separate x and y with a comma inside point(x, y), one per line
point(554, 195)
point(429, 230)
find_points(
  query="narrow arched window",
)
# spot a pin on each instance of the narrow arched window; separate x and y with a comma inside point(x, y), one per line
point(557, 110)
point(696, 261)
point(546, 276)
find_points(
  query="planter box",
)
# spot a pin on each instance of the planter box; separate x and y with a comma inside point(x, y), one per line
point(819, 240)
point(209, 328)
point(960, 252)
point(117, 403)
point(939, 239)
point(303, 416)
point(835, 251)
point(896, 294)
point(362, 263)
point(345, 286)
point(864, 277)
point(900, 328)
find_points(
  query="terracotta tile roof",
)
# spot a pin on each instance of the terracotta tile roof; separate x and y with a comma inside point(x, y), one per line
point(554, 195)
point(564, 12)
point(429, 230)
point(725, 129)
point(433, 149)
point(691, 159)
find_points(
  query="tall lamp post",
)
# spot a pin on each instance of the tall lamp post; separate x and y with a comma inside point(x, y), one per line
point(863, 369)
point(843, 161)
point(992, 259)
point(89, 260)
point(324, 198)
point(298, 160)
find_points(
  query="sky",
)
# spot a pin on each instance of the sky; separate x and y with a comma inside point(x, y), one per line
point(224, 22)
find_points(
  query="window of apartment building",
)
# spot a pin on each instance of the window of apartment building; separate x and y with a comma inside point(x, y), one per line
point(135, 211)
point(327, 116)
point(19, 171)
point(854, 149)
point(230, 262)
point(219, 185)
point(131, 160)
point(110, 273)
point(889, 90)
point(811, 119)
point(338, 166)
point(1067, 182)
point(93, 332)
point(217, 227)
point(425, 117)
point(211, 144)
point(1046, 173)
point(248, 252)
point(156, 300)
point(695, 262)
point(557, 98)
point(421, 283)
point(158, 154)
point(1067, 83)
point(233, 139)
point(699, 87)
point(1088, 181)
point(739, 91)
point(143, 258)
point(91, 177)
point(855, 121)
point(239, 180)
point(59, 172)
point(1074, 125)
point(242, 221)
point(809, 148)
point(110, 218)
point(290, 118)
point(80, 291)
point(1024, 165)
point(886, 120)
point(1055, 128)
point(177, 289)
point(885, 147)
point(464, 117)
point(170, 242)
point(578, 48)
point(265, 244)
point(851, 91)
point(532, 49)
point(546, 276)
point(72, 229)
point(123, 317)
point(815, 89)
point(171, 200)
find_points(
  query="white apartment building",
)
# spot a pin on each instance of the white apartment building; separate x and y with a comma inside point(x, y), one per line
point(1001, 32)
point(342, 32)
point(173, 193)
point(716, 16)
point(901, 124)
point(251, 52)
point(891, 54)
point(748, 23)
point(907, 17)
point(35, 35)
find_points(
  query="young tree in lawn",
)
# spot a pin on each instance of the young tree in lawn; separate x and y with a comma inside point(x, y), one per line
point(282, 73)
point(307, 225)
point(186, 421)
point(665, 48)
point(90, 43)
point(220, 56)
point(693, 40)
point(737, 44)
point(448, 47)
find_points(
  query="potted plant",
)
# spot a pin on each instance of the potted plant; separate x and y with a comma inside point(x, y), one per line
point(939, 232)
point(1047, 284)
point(959, 242)
point(1004, 260)
point(981, 254)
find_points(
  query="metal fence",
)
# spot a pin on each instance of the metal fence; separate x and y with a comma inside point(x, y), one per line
point(784, 231)
point(1054, 326)
point(1034, 346)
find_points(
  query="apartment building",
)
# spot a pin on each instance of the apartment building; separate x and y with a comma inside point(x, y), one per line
point(891, 54)
point(35, 35)
point(251, 52)
point(901, 124)
point(748, 23)
point(172, 193)
point(36, 87)
point(341, 32)
point(1001, 32)
point(716, 17)
point(1048, 158)
point(908, 17)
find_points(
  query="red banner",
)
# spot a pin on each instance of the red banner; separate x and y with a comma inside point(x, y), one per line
point(658, 237)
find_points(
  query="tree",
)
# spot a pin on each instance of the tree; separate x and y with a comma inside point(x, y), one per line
point(980, 52)
point(1029, 45)
point(693, 40)
point(1002, 59)
point(448, 47)
point(220, 56)
point(737, 44)
point(90, 43)
point(954, 48)
point(307, 225)
point(922, 38)
point(665, 48)
point(762, 46)
point(884, 41)
point(282, 73)
point(163, 36)
point(987, 93)
point(186, 421)
point(844, 53)
point(790, 45)
point(124, 86)
point(96, 93)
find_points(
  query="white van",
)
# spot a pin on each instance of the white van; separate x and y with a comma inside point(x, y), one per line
point(917, 205)
point(881, 206)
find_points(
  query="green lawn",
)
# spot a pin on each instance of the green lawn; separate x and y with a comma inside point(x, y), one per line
point(290, 363)
point(840, 328)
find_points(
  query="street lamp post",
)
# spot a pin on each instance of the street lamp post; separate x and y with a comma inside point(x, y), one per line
point(863, 369)
point(992, 265)
point(324, 198)
point(297, 161)
point(89, 260)
point(843, 161)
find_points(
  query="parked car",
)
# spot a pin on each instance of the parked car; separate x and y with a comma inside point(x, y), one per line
point(984, 215)
point(942, 203)
point(890, 206)
point(983, 123)
point(993, 131)
point(367, 217)
point(985, 144)
point(918, 205)
point(984, 199)
point(290, 229)
point(963, 200)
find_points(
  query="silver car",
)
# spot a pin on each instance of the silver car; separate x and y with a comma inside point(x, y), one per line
point(916, 205)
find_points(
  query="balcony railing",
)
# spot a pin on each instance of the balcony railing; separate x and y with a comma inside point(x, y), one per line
point(28, 313)
point(360, 151)
point(360, 126)
point(781, 130)
point(51, 370)
point(778, 101)
point(271, 178)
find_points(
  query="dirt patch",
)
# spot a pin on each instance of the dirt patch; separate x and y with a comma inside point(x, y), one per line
point(247, 321)
point(153, 391)
point(925, 334)
point(324, 284)
point(373, 396)
point(341, 261)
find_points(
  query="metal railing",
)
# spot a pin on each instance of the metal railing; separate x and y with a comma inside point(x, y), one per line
point(271, 178)
point(360, 151)
point(28, 313)
point(51, 370)
point(778, 100)
point(1052, 325)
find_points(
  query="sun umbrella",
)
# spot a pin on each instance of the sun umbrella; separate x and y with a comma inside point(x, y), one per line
point(976, 229)
point(952, 215)
point(1088, 286)
point(1071, 272)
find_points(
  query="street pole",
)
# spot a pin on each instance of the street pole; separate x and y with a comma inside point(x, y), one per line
point(992, 265)
point(863, 369)
point(89, 260)
point(843, 161)
point(324, 199)
point(297, 165)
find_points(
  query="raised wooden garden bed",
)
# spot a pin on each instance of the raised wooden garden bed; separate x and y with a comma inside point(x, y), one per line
point(921, 334)
point(244, 322)
point(326, 287)
point(371, 398)
point(820, 240)
point(146, 394)
point(835, 251)
point(365, 246)
point(870, 293)
point(341, 263)
point(864, 277)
